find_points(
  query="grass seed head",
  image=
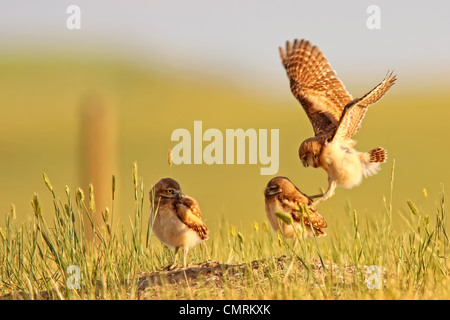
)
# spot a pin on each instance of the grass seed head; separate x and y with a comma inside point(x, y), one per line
point(169, 157)
point(91, 198)
point(80, 195)
point(412, 207)
point(240, 237)
point(284, 217)
point(47, 182)
point(113, 186)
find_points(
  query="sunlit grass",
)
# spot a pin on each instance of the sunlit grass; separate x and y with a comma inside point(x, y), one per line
point(35, 256)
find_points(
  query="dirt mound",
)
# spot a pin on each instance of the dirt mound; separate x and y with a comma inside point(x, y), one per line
point(217, 276)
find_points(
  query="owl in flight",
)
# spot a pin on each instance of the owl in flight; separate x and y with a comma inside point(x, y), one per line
point(334, 115)
point(175, 218)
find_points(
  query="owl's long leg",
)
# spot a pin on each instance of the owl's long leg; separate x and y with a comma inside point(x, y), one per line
point(174, 263)
point(329, 193)
point(295, 243)
point(316, 196)
point(185, 252)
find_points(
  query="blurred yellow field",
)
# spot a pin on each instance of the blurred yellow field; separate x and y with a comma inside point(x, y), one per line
point(41, 123)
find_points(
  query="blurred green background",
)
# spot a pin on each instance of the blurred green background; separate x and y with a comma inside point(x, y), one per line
point(155, 89)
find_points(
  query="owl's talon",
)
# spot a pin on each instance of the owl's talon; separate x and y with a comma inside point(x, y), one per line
point(171, 267)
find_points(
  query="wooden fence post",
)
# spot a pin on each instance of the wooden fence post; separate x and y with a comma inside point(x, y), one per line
point(97, 154)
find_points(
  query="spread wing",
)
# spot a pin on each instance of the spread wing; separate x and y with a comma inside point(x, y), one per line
point(315, 85)
point(355, 111)
point(188, 211)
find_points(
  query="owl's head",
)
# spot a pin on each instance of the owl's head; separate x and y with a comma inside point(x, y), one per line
point(309, 152)
point(166, 188)
point(279, 185)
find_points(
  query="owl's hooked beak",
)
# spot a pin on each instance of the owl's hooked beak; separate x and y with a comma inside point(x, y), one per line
point(179, 194)
point(305, 162)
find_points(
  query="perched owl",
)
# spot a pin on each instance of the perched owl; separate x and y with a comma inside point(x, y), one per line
point(282, 196)
point(334, 115)
point(176, 218)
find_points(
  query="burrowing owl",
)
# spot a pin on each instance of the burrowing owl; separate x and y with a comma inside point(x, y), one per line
point(335, 117)
point(176, 218)
point(281, 195)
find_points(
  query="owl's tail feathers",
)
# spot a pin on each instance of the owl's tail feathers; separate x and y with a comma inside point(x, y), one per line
point(371, 161)
point(320, 233)
point(378, 155)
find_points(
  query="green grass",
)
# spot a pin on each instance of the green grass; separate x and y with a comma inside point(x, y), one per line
point(35, 256)
point(399, 224)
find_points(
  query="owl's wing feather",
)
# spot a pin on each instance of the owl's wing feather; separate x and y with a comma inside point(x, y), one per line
point(188, 211)
point(355, 111)
point(313, 218)
point(295, 206)
point(313, 82)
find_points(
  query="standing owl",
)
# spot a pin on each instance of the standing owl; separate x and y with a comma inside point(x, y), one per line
point(334, 115)
point(175, 218)
point(282, 196)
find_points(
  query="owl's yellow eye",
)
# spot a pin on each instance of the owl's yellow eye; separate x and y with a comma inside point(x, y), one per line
point(170, 191)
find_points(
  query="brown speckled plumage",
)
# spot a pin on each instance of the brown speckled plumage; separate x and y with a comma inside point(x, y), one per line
point(335, 116)
point(176, 218)
point(281, 195)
